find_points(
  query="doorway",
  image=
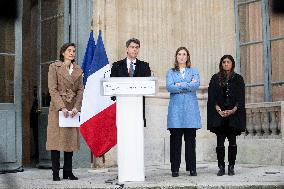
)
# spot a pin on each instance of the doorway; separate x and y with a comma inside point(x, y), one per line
point(10, 93)
point(53, 30)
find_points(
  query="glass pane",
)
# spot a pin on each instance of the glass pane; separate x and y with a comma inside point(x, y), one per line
point(250, 22)
point(276, 24)
point(277, 92)
point(254, 94)
point(45, 97)
point(277, 62)
point(53, 39)
point(244, 1)
point(252, 63)
point(7, 36)
point(50, 8)
point(7, 79)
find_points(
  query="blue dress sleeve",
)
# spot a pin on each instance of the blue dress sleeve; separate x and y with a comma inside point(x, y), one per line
point(192, 86)
point(170, 83)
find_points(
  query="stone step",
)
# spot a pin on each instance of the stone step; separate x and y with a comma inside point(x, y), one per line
point(247, 176)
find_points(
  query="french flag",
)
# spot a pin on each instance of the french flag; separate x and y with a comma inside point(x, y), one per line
point(98, 113)
point(88, 58)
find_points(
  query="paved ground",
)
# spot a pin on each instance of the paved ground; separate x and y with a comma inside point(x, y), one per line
point(247, 176)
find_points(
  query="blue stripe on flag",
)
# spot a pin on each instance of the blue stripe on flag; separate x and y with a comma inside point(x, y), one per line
point(100, 59)
point(88, 58)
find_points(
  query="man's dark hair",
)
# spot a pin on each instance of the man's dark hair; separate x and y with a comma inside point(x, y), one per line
point(134, 40)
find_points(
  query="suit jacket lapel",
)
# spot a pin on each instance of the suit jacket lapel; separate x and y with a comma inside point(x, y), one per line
point(137, 68)
point(62, 70)
point(124, 68)
point(77, 72)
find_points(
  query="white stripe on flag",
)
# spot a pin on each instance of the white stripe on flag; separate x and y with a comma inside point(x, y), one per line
point(93, 102)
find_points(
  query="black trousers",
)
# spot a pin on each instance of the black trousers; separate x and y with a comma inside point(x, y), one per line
point(222, 137)
point(175, 148)
point(55, 160)
point(232, 148)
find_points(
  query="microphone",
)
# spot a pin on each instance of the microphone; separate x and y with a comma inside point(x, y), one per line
point(106, 73)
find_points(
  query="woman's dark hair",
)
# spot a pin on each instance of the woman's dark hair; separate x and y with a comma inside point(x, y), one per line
point(63, 49)
point(223, 75)
point(188, 62)
point(221, 70)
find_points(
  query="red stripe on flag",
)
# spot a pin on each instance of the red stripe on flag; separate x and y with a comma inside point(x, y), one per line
point(100, 131)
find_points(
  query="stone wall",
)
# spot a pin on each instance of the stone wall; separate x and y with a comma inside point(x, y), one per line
point(206, 28)
point(253, 148)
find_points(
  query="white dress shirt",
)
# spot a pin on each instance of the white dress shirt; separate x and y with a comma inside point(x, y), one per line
point(128, 63)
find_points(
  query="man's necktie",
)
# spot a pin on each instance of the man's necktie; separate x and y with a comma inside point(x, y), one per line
point(131, 70)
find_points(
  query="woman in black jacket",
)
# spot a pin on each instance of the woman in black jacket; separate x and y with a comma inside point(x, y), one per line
point(226, 114)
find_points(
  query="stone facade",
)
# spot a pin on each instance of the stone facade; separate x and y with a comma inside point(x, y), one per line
point(162, 26)
point(205, 27)
point(254, 147)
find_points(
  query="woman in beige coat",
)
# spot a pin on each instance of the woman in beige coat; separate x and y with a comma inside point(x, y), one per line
point(66, 91)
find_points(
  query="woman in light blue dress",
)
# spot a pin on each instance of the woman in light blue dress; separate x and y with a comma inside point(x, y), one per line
point(183, 111)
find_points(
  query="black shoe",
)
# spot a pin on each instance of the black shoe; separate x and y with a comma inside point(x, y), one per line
point(231, 171)
point(69, 175)
point(192, 173)
point(56, 176)
point(175, 174)
point(221, 171)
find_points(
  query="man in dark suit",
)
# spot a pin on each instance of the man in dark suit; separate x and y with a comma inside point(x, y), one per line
point(131, 66)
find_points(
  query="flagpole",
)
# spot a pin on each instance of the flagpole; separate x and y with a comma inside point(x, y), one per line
point(99, 161)
point(99, 23)
point(92, 21)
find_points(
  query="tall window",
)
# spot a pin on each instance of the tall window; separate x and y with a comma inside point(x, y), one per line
point(277, 54)
point(260, 52)
point(51, 39)
point(7, 60)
